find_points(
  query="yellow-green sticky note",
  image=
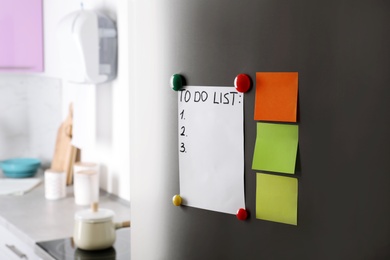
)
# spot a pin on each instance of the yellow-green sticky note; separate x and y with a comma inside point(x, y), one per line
point(277, 198)
point(276, 148)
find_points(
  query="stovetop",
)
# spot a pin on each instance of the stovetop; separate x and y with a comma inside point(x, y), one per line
point(65, 249)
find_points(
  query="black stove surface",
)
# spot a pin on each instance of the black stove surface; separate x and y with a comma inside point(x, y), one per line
point(65, 249)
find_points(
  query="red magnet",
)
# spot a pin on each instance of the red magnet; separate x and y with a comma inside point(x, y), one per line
point(242, 214)
point(242, 83)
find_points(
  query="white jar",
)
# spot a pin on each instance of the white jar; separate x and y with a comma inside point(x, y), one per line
point(55, 184)
point(86, 183)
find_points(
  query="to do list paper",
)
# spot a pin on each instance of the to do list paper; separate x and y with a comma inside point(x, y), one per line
point(211, 148)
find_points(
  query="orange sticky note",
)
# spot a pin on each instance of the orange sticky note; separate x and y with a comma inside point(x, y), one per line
point(276, 96)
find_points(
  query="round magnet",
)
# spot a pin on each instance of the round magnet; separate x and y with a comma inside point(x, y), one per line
point(176, 82)
point(176, 200)
point(242, 214)
point(242, 83)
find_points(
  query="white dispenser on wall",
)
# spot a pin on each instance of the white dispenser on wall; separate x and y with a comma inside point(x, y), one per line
point(88, 47)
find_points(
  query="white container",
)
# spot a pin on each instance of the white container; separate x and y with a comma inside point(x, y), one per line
point(55, 184)
point(94, 229)
point(87, 44)
point(81, 166)
point(86, 183)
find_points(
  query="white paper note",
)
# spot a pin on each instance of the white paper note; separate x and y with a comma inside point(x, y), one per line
point(211, 148)
point(17, 186)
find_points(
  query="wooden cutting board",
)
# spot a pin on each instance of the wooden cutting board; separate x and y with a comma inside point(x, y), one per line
point(65, 153)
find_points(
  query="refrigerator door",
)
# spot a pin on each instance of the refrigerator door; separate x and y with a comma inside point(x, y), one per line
point(341, 50)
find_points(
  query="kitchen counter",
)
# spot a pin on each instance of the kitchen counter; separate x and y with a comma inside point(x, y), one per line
point(33, 219)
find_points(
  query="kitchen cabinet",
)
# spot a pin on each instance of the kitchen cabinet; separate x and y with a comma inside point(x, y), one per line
point(13, 248)
point(21, 34)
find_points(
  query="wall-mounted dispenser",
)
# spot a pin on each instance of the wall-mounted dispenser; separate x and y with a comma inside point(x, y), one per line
point(88, 47)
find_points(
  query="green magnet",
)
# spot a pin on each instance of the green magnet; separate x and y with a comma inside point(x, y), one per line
point(176, 82)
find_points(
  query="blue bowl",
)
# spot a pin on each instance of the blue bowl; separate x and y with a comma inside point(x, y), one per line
point(20, 167)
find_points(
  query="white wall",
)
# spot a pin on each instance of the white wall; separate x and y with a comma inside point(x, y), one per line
point(109, 108)
point(30, 113)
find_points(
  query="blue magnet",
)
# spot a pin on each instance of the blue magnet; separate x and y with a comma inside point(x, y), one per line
point(177, 82)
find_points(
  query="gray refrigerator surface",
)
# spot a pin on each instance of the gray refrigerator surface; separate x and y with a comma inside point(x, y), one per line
point(341, 50)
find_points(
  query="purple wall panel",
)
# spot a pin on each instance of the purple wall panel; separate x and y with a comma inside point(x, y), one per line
point(21, 35)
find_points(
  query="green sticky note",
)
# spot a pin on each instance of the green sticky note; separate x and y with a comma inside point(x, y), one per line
point(276, 148)
point(277, 198)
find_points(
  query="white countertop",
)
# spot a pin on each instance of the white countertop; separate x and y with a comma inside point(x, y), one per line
point(33, 219)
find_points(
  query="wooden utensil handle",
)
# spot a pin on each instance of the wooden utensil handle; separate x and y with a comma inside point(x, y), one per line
point(122, 224)
point(126, 224)
point(94, 207)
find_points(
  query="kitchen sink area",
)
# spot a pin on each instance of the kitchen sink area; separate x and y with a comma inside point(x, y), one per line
point(32, 227)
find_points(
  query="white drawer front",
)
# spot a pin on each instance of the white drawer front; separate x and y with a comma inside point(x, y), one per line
point(13, 248)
